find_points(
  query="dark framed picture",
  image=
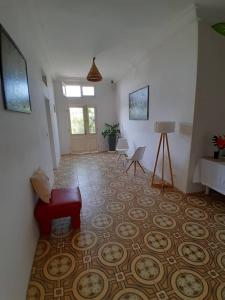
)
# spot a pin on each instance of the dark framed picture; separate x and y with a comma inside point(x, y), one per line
point(139, 104)
point(14, 77)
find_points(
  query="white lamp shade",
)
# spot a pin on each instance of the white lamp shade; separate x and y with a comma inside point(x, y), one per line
point(164, 126)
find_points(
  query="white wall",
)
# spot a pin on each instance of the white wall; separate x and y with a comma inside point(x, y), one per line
point(54, 142)
point(105, 103)
point(24, 146)
point(170, 71)
point(209, 117)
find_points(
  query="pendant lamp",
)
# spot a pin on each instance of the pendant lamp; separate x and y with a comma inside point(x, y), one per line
point(94, 74)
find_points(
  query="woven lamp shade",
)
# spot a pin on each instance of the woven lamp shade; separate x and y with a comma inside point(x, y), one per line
point(94, 74)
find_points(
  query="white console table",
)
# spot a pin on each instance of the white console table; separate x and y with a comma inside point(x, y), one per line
point(211, 173)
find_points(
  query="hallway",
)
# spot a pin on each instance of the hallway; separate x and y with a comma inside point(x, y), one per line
point(135, 242)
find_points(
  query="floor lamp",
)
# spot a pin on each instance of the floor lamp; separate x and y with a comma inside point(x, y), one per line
point(163, 128)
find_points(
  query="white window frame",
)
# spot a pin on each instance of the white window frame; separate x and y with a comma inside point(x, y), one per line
point(81, 90)
point(84, 86)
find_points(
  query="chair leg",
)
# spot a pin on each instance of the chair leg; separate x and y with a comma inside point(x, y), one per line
point(141, 166)
point(45, 227)
point(76, 221)
point(125, 159)
point(129, 166)
point(120, 155)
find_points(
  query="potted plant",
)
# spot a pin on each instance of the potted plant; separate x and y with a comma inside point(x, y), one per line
point(112, 132)
point(219, 142)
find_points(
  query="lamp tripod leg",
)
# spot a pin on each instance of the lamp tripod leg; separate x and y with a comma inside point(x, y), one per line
point(168, 150)
point(163, 159)
point(156, 161)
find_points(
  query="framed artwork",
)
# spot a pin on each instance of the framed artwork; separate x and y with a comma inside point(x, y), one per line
point(14, 78)
point(139, 104)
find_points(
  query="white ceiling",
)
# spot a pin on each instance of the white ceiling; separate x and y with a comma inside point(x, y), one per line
point(117, 32)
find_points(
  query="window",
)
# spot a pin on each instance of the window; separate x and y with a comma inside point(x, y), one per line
point(73, 91)
point(82, 120)
point(88, 90)
point(77, 120)
point(91, 120)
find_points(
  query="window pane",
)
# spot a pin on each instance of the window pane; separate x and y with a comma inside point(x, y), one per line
point(91, 120)
point(88, 91)
point(72, 90)
point(77, 120)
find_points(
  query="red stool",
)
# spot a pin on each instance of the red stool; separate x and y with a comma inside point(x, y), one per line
point(63, 203)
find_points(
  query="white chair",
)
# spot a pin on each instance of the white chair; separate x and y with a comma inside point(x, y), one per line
point(135, 159)
point(122, 147)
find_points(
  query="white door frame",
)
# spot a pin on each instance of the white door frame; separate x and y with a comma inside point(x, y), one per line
point(50, 132)
point(85, 107)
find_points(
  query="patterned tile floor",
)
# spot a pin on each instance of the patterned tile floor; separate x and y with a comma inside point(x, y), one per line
point(135, 242)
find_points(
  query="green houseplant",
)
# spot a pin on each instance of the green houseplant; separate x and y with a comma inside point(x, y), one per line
point(112, 132)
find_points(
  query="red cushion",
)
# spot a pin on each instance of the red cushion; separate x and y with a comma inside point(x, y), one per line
point(65, 196)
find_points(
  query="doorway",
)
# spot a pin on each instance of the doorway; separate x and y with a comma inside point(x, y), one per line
point(50, 132)
point(83, 129)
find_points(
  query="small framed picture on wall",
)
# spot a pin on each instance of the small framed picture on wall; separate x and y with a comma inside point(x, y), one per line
point(139, 104)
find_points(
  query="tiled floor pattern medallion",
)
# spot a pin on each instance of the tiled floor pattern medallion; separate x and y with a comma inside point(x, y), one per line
point(135, 242)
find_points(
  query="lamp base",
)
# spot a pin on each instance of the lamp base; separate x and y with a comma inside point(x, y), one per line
point(162, 185)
